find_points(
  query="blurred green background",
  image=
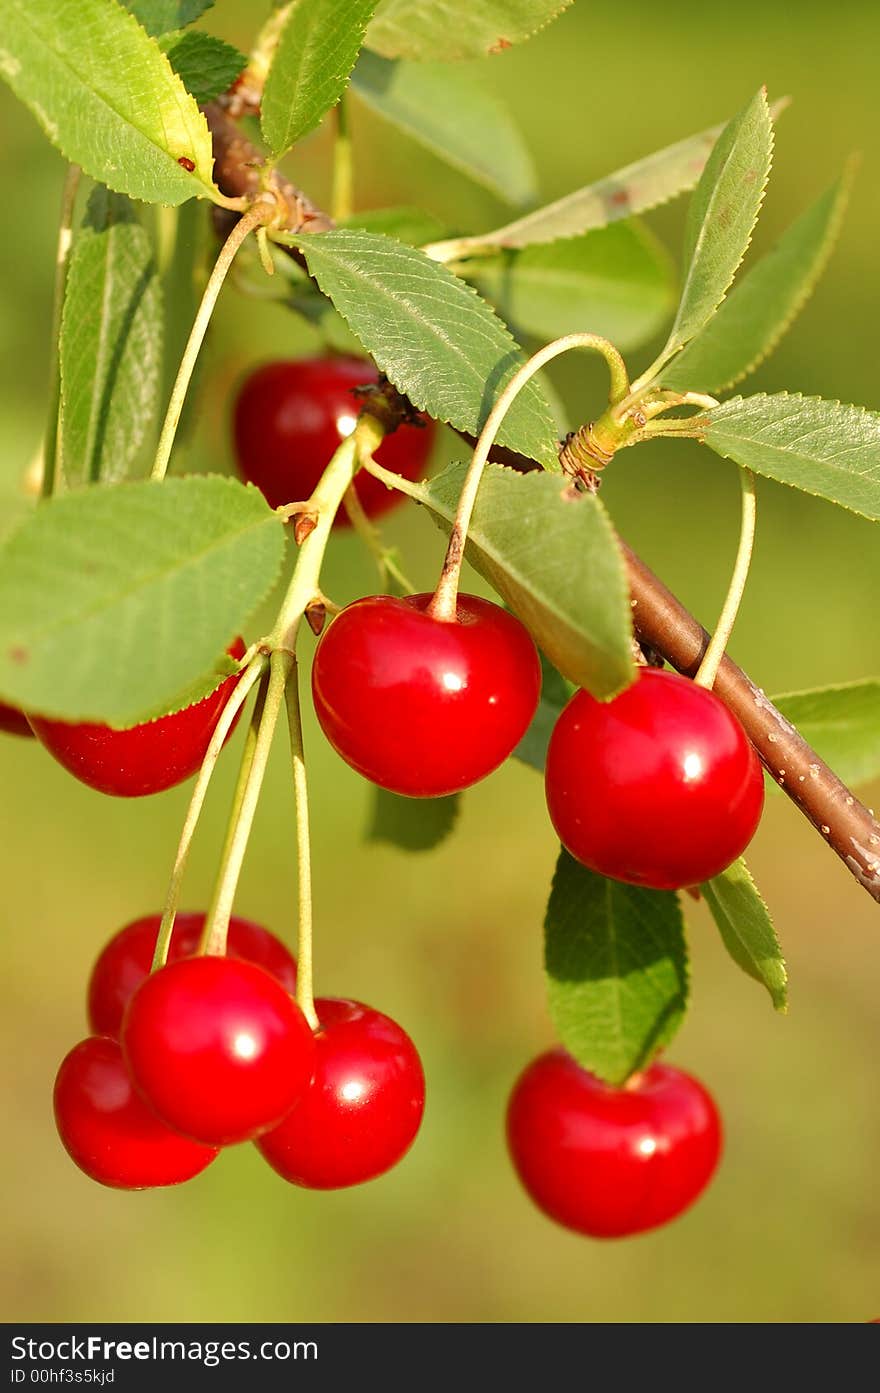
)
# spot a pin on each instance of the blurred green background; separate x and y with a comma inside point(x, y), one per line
point(450, 943)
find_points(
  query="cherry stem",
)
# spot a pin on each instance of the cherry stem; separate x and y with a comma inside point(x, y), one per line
point(342, 196)
point(236, 700)
point(371, 537)
point(304, 977)
point(217, 922)
point(708, 669)
point(49, 472)
point(261, 213)
point(443, 606)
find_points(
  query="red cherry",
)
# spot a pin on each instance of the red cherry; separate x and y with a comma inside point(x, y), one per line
point(110, 1132)
point(13, 721)
point(289, 419)
point(421, 706)
point(125, 962)
point(218, 1048)
point(658, 787)
point(141, 759)
point(611, 1161)
point(362, 1110)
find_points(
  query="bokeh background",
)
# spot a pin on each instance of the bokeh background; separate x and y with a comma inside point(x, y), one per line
point(450, 943)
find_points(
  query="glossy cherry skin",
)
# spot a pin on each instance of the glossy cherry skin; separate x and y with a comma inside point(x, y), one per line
point(291, 416)
point(658, 787)
point(611, 1161)
point(141, 759)
point(363, 1108)
point(420, 706)
point(109, 1131)
point(13, 721)
point(217, 1047)
point(125, 962)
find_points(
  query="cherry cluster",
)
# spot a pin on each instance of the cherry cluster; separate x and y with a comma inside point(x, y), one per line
point(658, 787)
point(210, 1051)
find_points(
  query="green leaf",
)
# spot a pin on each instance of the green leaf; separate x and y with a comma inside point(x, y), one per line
point(457, 28)
point(552, 555)
point(206, 66)
point(111, 343)
point(160, 17)
point(747, 930)
point(113, 600)
point(107, 97)
point(722, 217)
point(412, 824)
point(431, 333)
point(821, 447)
point(616, 965)
point(762, 306)
point(451, 114)
point(315, 54)
point(616, 281)
point(412, 225)
point(842, 724)
point(555, 694)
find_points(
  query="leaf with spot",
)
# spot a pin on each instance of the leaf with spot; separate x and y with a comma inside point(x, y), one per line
point(114, 600)
point(411, 824)
point(842, 724)
point(110, 345)
point(449, 29)
point(451, 114)
point(107, 97)
point(747, 930)
point(205, 65)
point(616, 964)
point(433, 335)
point(822, 447)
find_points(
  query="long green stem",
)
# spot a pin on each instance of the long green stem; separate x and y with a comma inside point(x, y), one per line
point(197, 801)
point(443, 605)
point(217, 922)
point(62, 256)
point(342, 196)
point(708, 668)
point(304, 977)
point(257, 216)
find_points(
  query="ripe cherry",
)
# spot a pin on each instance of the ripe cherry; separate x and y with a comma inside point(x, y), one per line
point(659, 786)
point(421, 706)
point(109, 1131)
point(363, 1108)
point(141, 759)
point(611, 1161)
point(13, 721)
point(125, 962)
point(291, 416)
point(218, 1048)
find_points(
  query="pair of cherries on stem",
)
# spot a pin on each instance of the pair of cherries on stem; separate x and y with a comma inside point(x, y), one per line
point(209, 1051)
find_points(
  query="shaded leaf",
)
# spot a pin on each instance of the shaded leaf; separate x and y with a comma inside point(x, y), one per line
point(747, 930)
point(111, 343)
point(160, 17)
point(412, 824)
point(411, 225)
point(842, 724)
point(821, 447)
point(113, 600)
point(760, 308)
point(450, 29)
point(616, 966)
point(107, 97)
point(206, 66)
point(183, 283)
point(451, 114)
point(431, 333)
point(315, 53)
point(555, 694)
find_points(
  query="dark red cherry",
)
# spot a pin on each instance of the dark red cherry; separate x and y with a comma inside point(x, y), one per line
point(13, 721)
point(125, 962)
point(109, 1131)
point(611, 1161)
point(361, 1111)
point(291, 416)
point(218, 1048)
point(141, 759)
point(659, 786)
point(421, 706)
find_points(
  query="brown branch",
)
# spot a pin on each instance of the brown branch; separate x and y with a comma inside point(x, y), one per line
point(660, 620)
